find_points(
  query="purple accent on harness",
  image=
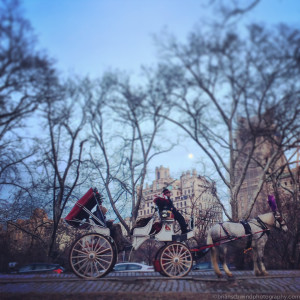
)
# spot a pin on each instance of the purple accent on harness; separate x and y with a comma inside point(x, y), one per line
point(272, 202)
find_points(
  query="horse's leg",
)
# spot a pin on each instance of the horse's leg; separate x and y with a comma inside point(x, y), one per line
point(260, 251)
point(214, 261)
point(222, 256)
point(256, 270)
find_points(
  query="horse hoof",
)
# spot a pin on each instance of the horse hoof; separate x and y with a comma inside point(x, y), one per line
point(258, 274)
point(230, 275)
point(265, 274)
point(219, 275)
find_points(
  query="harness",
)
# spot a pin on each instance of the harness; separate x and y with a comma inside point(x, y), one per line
point(264, 227)
point(230, 237)
point(248, 232)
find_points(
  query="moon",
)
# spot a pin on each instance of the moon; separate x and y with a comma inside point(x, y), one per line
point(191, 156)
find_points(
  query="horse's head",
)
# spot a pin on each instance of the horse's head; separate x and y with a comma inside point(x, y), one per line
point(279, 222)
point(274, 219)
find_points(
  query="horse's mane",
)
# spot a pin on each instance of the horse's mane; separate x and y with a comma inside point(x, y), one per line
point(267, 216)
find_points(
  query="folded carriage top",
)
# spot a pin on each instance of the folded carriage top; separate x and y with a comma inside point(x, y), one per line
point(78, 212)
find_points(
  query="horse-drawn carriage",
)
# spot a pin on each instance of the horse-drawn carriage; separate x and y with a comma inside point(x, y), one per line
point(94, 254)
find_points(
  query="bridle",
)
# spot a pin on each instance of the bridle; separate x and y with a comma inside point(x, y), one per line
point(278, 219)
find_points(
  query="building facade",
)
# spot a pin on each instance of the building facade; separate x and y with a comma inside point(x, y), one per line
point(192, 194)
point(264, 149)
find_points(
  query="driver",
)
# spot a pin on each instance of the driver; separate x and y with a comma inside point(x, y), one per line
point(166, 203)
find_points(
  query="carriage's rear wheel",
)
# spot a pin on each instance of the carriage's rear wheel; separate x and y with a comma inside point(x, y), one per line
point(176, 260)
point(92, 256)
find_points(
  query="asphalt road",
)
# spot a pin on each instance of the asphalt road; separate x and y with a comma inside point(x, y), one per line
point(134, 286)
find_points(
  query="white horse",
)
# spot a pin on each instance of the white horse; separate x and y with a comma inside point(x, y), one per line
point(220, 234)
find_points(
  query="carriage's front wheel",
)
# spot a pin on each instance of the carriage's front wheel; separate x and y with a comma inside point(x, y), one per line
point(176, 260)
point(92, 256)
point(157, 258)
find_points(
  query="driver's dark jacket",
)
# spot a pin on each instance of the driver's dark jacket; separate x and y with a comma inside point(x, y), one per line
point(164, 203)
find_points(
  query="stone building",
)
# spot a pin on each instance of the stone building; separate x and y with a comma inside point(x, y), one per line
point(25, 233)
point(263, 151)
point(288, 188)
point(192, 194)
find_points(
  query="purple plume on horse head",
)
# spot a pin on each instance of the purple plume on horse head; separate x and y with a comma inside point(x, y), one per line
point(272, 202)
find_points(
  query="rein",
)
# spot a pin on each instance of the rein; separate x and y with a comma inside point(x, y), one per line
point(226, 239)
point(259, 223)
point(229, 239)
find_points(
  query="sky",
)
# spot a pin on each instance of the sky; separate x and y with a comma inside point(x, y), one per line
point(89, 37)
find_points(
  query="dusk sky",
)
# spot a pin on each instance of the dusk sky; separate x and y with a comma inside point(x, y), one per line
point(88, 37)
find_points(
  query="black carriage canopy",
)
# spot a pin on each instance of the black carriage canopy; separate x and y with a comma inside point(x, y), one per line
point(82, 208)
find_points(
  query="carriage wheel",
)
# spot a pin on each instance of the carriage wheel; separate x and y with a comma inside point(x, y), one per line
point(92, 256)
point(176, 260)
point(157, 256)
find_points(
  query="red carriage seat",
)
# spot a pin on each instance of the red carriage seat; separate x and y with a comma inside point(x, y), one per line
point(79, 211)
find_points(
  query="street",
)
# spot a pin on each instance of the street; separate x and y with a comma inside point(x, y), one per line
point(198, 285)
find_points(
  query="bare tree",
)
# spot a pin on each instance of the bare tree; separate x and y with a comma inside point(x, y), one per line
point(218, 78)
point(232, 10)
point(147, 252)
point(24, 73)
point(60, 167)
point(284, 182)
point(124, 124)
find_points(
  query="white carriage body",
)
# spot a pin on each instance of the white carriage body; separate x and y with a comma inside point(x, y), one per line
point(99, 229)
point(166, 234)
